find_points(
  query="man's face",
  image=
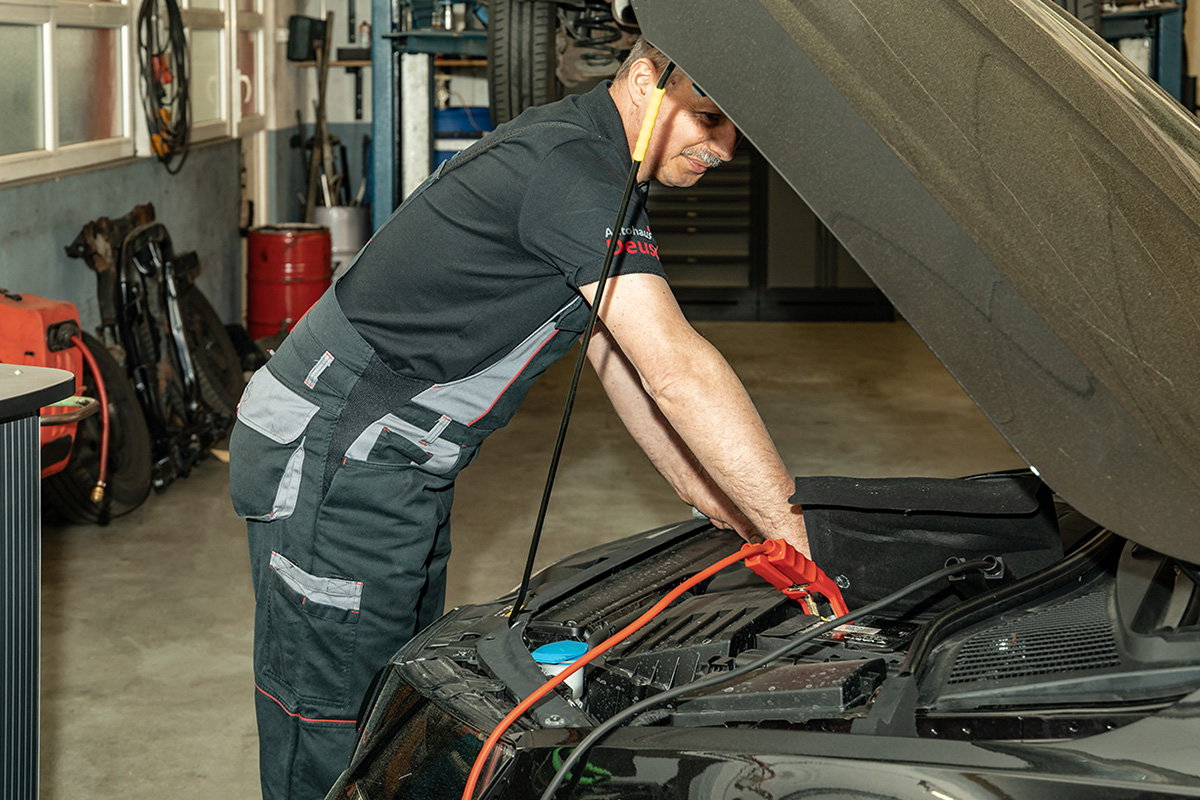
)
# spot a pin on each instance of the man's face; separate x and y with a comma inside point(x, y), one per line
point(691, 136)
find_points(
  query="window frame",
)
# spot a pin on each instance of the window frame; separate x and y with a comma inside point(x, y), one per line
point(253, 22)
point(53, 158)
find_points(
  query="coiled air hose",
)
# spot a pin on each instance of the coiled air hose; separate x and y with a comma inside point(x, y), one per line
point(102, 392)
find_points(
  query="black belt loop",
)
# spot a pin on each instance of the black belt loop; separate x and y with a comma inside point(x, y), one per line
point(426, 419)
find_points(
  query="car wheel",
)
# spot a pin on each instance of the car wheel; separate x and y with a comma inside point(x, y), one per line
point(521, 56)
point(218, 366)
point(67, 494)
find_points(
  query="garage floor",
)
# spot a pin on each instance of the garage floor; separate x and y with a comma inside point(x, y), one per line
point(146, 682)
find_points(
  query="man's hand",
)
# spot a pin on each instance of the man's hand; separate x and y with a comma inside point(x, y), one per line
point(723, 513)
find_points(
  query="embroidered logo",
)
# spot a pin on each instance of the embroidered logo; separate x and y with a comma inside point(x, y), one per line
point(633, 241)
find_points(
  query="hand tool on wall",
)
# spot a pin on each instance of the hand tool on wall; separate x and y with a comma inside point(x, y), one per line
point(320, 155)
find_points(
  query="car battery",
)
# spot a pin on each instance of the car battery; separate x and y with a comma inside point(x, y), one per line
point(870, 633)
point(37, 332)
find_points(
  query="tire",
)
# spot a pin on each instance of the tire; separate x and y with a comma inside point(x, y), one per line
point(67, 494)
point(521, 56)
point(218, 366)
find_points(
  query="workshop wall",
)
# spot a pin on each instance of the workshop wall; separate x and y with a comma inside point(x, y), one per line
point(199, 206)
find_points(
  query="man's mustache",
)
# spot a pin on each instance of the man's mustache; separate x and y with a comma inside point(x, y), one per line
point(704, 157)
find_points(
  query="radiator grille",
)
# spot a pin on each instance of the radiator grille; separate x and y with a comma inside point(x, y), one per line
point(1077, 635)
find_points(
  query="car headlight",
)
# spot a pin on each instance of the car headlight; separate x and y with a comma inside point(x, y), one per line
point(413, 747)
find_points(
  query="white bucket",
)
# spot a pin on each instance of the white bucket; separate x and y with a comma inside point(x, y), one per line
point(349, 229)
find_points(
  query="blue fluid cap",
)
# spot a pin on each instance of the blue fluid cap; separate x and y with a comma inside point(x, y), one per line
point(562, 652)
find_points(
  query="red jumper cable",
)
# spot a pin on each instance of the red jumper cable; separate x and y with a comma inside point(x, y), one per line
point(775, 560)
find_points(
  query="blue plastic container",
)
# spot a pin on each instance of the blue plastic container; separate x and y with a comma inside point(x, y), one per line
point(462, 120)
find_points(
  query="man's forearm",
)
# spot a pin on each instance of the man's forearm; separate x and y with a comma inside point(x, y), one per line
point(702, 400)
point(658, 440)
point(706, 404)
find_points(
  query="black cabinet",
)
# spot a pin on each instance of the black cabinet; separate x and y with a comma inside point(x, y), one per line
point(741, 244)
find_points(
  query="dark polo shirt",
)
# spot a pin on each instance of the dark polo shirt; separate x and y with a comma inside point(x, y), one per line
point(496, 246)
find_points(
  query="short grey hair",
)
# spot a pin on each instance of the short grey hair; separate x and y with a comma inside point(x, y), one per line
point(642, 49)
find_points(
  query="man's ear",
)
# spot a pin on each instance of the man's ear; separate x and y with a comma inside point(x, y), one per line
point(643, 76)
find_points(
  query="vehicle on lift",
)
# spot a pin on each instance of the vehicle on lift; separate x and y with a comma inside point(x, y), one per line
point(1028, 201)
point(539, 50)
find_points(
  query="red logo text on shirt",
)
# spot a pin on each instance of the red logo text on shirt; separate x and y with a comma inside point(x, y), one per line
point(633, 241)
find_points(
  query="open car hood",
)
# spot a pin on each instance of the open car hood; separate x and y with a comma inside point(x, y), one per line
point(1026, 199)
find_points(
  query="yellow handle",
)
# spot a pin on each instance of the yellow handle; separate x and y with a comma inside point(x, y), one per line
point(639, 152)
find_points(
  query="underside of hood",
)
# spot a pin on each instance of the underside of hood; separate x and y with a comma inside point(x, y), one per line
point(1026, 199)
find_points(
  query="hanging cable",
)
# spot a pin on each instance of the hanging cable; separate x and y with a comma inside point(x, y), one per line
point(639, 154)
point(164, 66)
point(606, 727)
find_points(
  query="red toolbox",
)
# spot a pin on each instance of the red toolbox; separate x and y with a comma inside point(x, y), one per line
point(37, 332)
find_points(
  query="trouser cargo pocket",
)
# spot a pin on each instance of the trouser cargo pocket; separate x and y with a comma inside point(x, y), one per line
point(268, 442)
point(312, 622)
point(391, 442)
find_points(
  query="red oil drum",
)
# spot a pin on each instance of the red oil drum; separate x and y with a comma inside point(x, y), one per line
point(289, 268)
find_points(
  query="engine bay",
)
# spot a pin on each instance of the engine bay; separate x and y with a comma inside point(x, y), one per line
point(1102, 638)
point(1107, 638)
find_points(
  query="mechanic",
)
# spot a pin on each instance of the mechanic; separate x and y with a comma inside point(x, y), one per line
point(347, 443)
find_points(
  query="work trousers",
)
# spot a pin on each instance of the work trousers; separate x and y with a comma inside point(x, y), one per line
point(349, 540)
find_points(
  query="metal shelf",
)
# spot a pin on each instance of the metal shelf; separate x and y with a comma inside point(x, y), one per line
point(439, 42)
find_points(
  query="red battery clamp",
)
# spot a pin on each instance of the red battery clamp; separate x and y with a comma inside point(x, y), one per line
point(785, 568)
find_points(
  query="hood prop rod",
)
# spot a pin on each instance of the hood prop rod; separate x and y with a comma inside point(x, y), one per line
point(639, 154)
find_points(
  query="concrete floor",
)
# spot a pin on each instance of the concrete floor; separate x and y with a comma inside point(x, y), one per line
point(146, 670)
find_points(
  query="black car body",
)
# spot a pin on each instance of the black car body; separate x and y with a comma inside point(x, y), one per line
point(1031, 204)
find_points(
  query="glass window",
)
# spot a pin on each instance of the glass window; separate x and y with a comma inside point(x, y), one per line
point(205, 89)
point(71, 81)
point(89, 84)
point(22, 112)
point(247, 75)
